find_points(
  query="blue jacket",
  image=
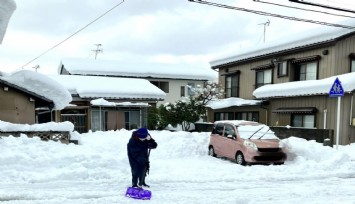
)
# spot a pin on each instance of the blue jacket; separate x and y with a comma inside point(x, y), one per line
point(138, 150)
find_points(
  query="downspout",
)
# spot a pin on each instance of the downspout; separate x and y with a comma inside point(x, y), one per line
point(351, 108)
point(266, 111)
point(325, 119)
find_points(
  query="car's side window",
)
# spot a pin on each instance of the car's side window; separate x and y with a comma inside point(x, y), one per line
point(229, 131)
point(219, 129)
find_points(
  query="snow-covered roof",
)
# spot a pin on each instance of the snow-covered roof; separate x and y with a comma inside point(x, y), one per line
point(138, 69)
point(103, 102)
point(40, 85)
point(312, 37)
point(230, 102)
point(303, 88)
point(7, 7)
point(110, 87)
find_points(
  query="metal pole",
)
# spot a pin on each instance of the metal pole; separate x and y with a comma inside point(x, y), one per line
point(325, 119)
point(338, 122)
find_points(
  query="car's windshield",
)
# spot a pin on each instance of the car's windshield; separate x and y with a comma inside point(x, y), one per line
point(256, 132)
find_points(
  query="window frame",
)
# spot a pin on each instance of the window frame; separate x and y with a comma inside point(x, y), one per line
point(305, 73)
point(248, 114)
point(257, 84)
point(233, 90)
point(182, 91)
point(303, 120)
point(283, 67)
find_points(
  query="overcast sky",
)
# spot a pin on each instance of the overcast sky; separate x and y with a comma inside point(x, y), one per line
point(145, 30)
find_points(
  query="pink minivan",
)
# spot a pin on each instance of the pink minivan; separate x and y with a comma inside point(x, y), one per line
point(246, 142)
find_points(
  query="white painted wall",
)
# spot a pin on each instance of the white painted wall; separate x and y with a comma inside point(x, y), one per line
point(174, 90)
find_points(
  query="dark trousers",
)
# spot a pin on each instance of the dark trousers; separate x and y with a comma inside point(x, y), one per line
point(138, 173)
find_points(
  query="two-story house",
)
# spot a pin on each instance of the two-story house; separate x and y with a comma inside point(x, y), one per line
point(292, 78)
point(173, 79)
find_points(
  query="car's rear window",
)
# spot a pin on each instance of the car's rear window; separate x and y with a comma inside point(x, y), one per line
point(246, 131)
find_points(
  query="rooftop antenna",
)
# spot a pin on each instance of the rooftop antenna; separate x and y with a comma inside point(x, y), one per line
point(98, 50)
point(267, 23)
point(36, 67)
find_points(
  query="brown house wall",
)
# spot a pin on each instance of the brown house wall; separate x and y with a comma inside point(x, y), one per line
point(322, 103)
point(15, 107)
point(342, 50)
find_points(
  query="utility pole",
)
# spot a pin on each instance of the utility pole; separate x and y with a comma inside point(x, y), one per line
point(267, 23)
point(98, 50)
point(36, 67)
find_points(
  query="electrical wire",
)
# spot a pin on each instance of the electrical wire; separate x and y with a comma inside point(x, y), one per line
point(70, 36)
point(323, 6)
point(271, 14)
point(293, 7)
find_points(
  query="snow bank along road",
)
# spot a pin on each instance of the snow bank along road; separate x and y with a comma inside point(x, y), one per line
point(97, 171)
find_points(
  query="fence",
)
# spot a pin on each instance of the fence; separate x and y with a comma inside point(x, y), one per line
point(62, 136)
point(319, 135)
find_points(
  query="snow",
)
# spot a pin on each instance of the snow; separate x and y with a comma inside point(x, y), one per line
point(50, 126)
point(97, 171)
point(40, 84)
point(7, 7)
point(139, 69)
point(314, 36)
point(230, 102)
point(109, 87)
point(309, 87)
point(103, 102)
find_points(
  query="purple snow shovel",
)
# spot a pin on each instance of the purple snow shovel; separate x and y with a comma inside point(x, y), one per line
point(138, 193)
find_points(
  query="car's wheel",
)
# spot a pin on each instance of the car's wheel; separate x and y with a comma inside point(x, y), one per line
point(239, 158)
point(211, 152)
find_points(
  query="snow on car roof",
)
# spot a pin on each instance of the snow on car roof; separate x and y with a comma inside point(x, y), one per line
point(247, 129)
point(238, 122)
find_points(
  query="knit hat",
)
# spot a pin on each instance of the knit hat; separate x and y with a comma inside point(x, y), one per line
point(142, 133)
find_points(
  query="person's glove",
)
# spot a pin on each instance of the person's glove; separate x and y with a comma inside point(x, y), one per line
point(152, 145)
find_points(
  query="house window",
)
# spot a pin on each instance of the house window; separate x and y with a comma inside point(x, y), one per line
point(306, 71)
point(352, 65)
point(263, 77)
point(282, 69)
point(190, 88)
point(232, 86)
point(163, 85)
point(303, 120)
point(223, 116)
point(250, 116)
point(182, 91)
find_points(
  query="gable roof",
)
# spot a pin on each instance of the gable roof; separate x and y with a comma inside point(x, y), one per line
point(7, 7)
point(137, 69)
point(309, 38)
point(305, 88)
point(110, 87)
point(38, 85)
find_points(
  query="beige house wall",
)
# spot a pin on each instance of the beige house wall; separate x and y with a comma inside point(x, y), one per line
point(16, 107)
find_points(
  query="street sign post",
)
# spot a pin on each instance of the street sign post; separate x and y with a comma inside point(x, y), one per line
point(337, 91)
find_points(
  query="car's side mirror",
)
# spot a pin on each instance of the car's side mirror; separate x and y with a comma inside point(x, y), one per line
point(230, 137)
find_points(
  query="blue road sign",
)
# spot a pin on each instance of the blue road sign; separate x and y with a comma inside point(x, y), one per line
point(336, 90)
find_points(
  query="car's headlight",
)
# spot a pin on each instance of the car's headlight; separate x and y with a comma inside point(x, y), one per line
point(281, 144)
point(250, 144)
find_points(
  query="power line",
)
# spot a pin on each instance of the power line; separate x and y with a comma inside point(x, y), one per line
point(293, 7)
point(272, 14)
point(322, 5)
point(81, 29)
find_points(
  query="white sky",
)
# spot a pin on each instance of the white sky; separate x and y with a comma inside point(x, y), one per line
point(157, 31)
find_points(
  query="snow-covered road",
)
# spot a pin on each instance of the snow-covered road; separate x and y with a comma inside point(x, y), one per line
point(97, 171)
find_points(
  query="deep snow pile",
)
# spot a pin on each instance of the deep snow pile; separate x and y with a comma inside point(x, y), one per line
point(97, 171)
